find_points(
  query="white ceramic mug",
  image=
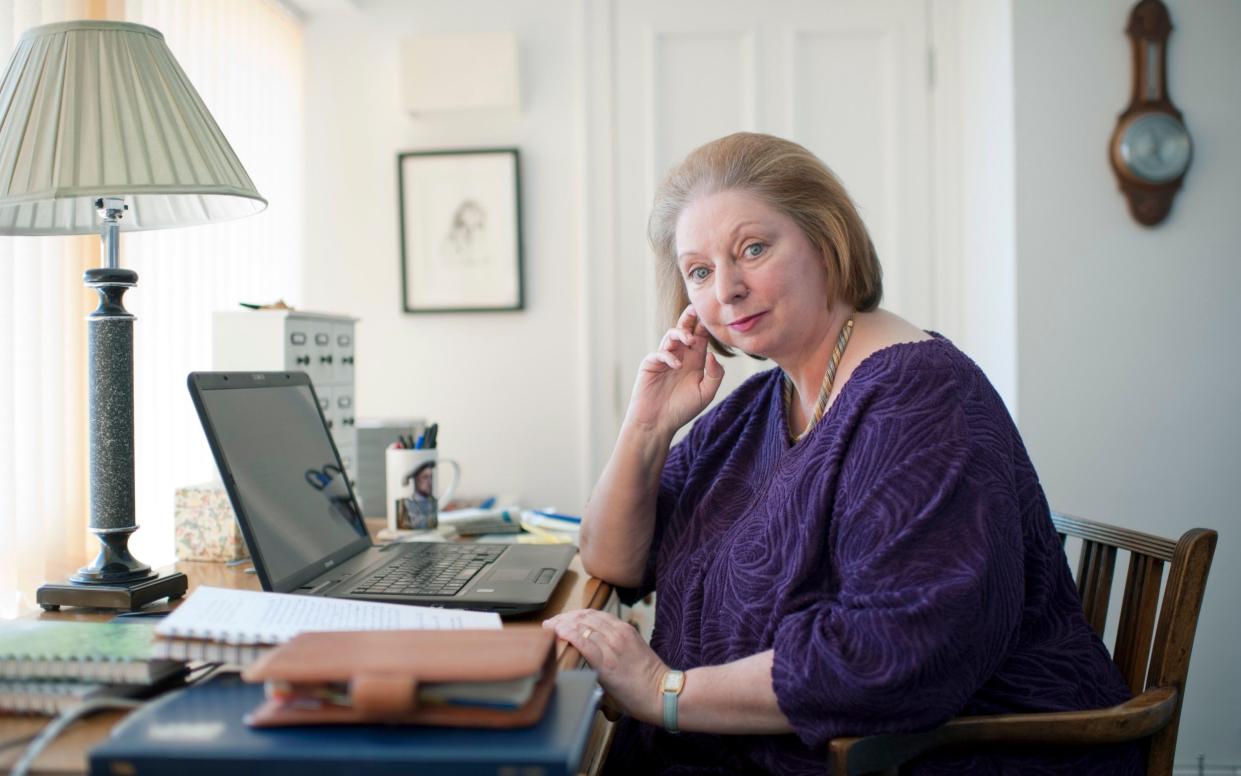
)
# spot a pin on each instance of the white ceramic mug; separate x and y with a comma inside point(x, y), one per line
point(412, 479)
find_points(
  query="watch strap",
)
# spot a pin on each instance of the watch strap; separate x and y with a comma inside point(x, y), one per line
point(670, 698)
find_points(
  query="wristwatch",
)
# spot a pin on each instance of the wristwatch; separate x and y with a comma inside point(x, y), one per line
point(670, 688)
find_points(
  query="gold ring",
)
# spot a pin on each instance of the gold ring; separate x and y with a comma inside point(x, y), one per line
point(586, 633)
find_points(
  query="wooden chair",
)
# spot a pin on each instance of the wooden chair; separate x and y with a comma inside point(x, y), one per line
point(1153, 659)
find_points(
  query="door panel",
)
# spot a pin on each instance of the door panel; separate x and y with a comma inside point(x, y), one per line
point(846, 78)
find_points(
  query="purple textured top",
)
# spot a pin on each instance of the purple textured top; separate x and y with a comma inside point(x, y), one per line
point(900, 560)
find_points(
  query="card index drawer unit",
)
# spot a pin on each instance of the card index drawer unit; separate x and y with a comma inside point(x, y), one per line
point(318, 344)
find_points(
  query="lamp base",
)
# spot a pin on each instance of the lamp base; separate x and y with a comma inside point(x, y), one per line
point(53, 595)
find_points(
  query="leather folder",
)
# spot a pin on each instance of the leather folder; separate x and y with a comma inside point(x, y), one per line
point(382, 671)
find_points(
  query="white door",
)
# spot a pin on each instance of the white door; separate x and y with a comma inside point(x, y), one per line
point(846, 78)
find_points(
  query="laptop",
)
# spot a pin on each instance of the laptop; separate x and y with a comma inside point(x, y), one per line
point(307, 536)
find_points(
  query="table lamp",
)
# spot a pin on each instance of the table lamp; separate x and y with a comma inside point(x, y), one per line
point(101, 131)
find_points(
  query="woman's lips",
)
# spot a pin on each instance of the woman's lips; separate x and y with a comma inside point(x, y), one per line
point(747, 323)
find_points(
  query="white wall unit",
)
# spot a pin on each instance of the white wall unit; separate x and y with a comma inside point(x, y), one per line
point(973, 185)
point(320, 345)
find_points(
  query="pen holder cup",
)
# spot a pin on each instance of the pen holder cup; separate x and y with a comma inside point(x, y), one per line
point(413, 495)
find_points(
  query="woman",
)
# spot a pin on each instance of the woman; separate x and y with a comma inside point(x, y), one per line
point(853, 542)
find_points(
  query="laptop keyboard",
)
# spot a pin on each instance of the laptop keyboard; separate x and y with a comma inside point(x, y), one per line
point(430, 569)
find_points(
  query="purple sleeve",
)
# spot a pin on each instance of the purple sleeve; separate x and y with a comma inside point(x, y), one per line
point(927, 543)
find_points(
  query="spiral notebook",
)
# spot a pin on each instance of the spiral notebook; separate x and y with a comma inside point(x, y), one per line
point(252, 617)
point(108, 652)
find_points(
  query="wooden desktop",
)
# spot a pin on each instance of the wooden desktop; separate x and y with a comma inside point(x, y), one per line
point(68, 754)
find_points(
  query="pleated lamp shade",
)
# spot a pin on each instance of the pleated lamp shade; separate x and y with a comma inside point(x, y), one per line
point(93, 108)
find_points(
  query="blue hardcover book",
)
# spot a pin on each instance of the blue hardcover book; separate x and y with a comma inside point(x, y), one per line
point(199, 731)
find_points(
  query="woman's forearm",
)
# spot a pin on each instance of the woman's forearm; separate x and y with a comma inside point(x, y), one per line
point(620, 517)
point(736, 697)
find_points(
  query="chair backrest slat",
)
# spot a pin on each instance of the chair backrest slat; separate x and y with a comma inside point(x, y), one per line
point(1094, 582)
point(1137, 619)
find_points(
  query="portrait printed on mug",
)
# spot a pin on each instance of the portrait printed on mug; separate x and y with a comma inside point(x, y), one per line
point(414, 489)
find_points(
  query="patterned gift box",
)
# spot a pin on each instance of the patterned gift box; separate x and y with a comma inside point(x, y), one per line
point(205, 526)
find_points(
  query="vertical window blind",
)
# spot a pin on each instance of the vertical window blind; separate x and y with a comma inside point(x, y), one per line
point(245, 59)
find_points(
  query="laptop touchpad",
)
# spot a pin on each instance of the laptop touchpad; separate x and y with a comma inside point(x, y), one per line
point(509, 575)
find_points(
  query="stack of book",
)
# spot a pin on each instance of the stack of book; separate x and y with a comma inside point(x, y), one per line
point(551, 527)
point(48, 667)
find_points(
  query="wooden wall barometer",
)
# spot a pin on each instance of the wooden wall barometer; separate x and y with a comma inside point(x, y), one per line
point(1151, 148)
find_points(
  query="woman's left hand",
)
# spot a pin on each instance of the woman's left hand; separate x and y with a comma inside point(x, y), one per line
point(629, 670)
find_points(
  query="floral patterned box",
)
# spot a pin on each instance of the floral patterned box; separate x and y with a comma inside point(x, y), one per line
point(205, 526)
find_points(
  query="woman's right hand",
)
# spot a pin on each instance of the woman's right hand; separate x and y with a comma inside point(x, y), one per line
point(678, 380)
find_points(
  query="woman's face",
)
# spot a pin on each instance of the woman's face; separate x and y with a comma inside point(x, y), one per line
point(753, 276)
point(423, 481)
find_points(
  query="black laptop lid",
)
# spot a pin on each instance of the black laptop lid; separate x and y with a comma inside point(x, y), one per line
point(282, 473)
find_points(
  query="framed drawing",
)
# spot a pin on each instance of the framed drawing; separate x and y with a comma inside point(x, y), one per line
point(460, 216)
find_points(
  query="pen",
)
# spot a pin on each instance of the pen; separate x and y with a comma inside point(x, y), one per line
point(132, 615)
point(433, 435)
point(555, 516)
point(419, 443)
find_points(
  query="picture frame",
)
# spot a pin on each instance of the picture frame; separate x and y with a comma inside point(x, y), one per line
point(460, 230)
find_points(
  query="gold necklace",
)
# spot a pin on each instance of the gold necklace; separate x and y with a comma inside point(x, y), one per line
point(824, 391)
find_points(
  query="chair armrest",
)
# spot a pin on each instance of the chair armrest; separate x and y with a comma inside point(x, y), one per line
point(1137, 718)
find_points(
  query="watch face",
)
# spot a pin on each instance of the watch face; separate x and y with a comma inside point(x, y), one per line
point(1155, 147)
point(674, 681)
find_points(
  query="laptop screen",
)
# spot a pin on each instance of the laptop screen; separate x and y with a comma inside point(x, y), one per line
point(295, 501)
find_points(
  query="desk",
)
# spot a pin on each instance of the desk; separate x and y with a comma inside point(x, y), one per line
point(67, 755)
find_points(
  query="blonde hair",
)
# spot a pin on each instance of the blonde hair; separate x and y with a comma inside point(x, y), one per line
point(788, 178)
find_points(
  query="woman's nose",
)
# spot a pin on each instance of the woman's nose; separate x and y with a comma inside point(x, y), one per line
point(730, 284)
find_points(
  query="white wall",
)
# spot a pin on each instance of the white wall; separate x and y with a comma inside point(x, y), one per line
point(1127, 336)
point(463, 370)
